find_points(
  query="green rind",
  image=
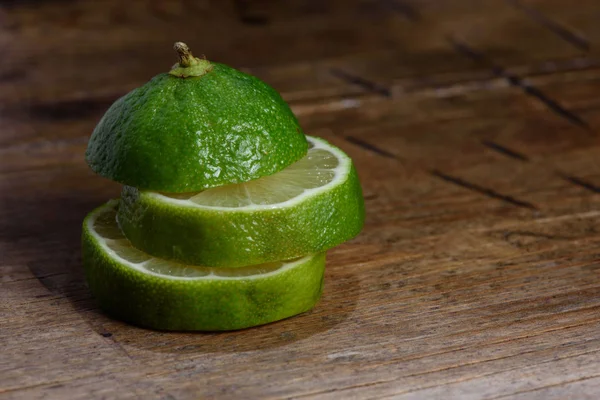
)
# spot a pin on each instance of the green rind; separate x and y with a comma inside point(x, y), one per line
point(201, 304)
point(189, 134)
point(235, 238)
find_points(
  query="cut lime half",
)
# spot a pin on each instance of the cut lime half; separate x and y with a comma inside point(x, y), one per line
point(309, 207)
point(182, 133)
point(150, 292)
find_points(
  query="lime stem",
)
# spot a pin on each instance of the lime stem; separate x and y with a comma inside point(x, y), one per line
point(189, 66)
point(186, 59)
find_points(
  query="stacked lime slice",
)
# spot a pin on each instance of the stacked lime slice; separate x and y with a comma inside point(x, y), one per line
point(227, 209)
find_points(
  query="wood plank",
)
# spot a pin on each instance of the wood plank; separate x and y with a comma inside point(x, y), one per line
point(473, 127)
point(146, 50)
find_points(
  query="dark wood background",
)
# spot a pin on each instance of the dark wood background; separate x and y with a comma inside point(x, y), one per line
point(474, 128)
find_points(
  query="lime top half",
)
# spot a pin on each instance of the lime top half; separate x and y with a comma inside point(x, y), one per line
point(201, 126)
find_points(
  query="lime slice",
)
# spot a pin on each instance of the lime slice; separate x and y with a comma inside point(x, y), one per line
point(200, 126)
point(311, 206)
point(140, 289)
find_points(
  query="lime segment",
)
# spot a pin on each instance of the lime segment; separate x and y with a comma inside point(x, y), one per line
point(309, 207)
point(137, 288)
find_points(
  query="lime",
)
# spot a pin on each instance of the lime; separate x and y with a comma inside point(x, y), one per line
point(309, 207)
point(200, 126)
point(137, 288)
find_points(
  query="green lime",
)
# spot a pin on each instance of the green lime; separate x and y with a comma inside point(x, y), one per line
point(309, 207)
point(200, 126)
point(154, 293)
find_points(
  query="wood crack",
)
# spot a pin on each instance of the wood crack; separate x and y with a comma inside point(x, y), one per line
point(364, 83)
point(370, 147)
point(581, 182)
point(504, 150)
point(518, 82)
point(483, 190)
point(559, 30)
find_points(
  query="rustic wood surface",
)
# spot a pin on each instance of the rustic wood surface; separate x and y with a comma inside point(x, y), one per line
point(474, 128)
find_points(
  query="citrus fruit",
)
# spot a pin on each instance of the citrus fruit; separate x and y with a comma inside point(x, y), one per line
point(200, 126)
point(311, 206)
point(140, 289)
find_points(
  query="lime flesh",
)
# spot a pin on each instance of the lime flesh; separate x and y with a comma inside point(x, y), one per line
point(143, 290)
point(311, 206)
point(177, 134)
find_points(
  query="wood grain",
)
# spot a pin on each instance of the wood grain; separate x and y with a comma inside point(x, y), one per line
point(474, 129)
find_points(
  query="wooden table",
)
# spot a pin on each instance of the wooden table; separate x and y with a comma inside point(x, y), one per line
point(474, 127)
